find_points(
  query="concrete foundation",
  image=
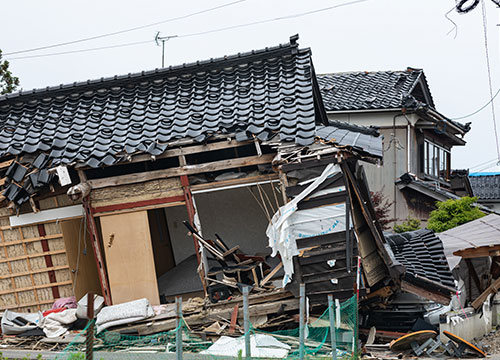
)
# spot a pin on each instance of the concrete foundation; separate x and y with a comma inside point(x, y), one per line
point(469, 326)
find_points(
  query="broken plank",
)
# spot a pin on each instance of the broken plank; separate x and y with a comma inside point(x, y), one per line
point(481, 251)
point(271, 274)
point(430, 295)
point(481, 298)
point(210, 316)
point(182, 170)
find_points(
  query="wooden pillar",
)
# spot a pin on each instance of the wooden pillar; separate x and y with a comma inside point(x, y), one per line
point(191, 211)
point(96, 247)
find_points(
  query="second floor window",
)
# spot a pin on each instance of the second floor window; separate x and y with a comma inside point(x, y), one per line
point(436, 160)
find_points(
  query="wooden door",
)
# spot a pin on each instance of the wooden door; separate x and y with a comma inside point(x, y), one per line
point(129, 257)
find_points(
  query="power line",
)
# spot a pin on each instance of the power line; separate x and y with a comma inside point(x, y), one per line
point(271, 20)
point(84, 50)
point(196, 33)
point(480, 109)
point(485, 31)
point(483, 163)
point(125, 30)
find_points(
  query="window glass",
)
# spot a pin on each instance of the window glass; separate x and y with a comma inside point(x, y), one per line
point(436, 160)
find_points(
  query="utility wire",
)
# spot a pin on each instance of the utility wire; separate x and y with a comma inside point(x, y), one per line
point(480, 109)
point(485, 31)
point(125, 30)
point(197, 33)
point(483, 164)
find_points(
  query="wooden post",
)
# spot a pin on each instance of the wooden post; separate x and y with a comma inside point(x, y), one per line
point(302, 310)
point(191, 211)
point(89, 336)
point(99, 259)
point(333, 330)
point(178, 332)
point(246, 323)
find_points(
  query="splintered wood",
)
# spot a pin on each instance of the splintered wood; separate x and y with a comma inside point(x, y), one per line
point(33, 266)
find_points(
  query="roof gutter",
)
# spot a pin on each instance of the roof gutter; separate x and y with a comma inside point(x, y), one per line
point(363, 111)
point(438, 116)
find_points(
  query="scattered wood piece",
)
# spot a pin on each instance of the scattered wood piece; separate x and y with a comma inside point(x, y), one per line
point(494, 287)
point(234, 318)
point(271, 274)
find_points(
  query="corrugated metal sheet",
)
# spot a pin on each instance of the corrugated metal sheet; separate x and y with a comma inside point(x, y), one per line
point(480, 232)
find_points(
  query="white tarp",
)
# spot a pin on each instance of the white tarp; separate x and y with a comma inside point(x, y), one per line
point(289, 224)
point(261, 345)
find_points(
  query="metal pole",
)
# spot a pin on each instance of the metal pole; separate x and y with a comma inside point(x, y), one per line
point(246, 323)
point(89, 340)
point(178, 332)
point(348, 246)
point(302, 310)
point(163, 53)
point(333, 331)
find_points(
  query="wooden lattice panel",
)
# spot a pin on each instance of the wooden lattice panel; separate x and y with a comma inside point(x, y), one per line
point(33, 268)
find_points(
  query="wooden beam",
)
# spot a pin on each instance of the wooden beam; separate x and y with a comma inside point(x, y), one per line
point(19, 242)
point(131, 205)
point(481, 298)
point(481, 251)
point(182, 170)
point(186, 150)
point(226, 183)
point(406, 286)
point(31, 256)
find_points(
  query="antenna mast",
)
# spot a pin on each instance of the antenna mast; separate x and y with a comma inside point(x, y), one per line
point(159, 38)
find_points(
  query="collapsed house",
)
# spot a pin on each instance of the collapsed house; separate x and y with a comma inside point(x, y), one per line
point(178, 181)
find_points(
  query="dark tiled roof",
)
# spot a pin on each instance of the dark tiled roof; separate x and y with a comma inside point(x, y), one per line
point(486, 187)
point(358, 138)
point(100, 122)
point(421, 252)
point(370, 90)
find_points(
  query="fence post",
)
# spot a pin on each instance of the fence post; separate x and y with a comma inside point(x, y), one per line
point(178, 332)
point(246, 323)
point(302, 310)
point(333, 331)
point(89, 335)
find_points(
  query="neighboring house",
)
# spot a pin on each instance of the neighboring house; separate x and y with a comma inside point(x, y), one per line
point(486, 186)
point(417, 138)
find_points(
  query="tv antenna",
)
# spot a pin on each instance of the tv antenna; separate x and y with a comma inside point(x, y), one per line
point(159, 38)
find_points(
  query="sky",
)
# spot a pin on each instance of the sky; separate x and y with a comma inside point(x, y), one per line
point(359, 35)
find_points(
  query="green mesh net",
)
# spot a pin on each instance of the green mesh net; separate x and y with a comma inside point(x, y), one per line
point(317, 340)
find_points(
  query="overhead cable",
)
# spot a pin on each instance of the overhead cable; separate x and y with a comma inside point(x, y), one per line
point(487, 53)
point(195, 33)
point(125, 30)
point(478, 110)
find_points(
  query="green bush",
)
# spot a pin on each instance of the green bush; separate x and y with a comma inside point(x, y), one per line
point(451, 213)
point(410, 225)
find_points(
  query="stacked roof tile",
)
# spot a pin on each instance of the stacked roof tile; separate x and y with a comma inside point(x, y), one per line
point(368, 90)
point(486, 187)
point(97, 123)
point(421, 252)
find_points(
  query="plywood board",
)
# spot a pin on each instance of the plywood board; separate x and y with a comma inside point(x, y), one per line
point(80, 258)
point(129, 257)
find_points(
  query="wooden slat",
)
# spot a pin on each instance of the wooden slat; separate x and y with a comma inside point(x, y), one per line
point(30, 269)
point(36, 271)
point(494, 287)
point(43, 286)
point(31, 256)
point(20, 306)
point(5, 164)
point(194, 149)
point(9, 266)
point(46, 237)
point(178, 171)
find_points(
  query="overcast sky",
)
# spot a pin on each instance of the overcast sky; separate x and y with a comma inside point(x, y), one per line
point(370, 35)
